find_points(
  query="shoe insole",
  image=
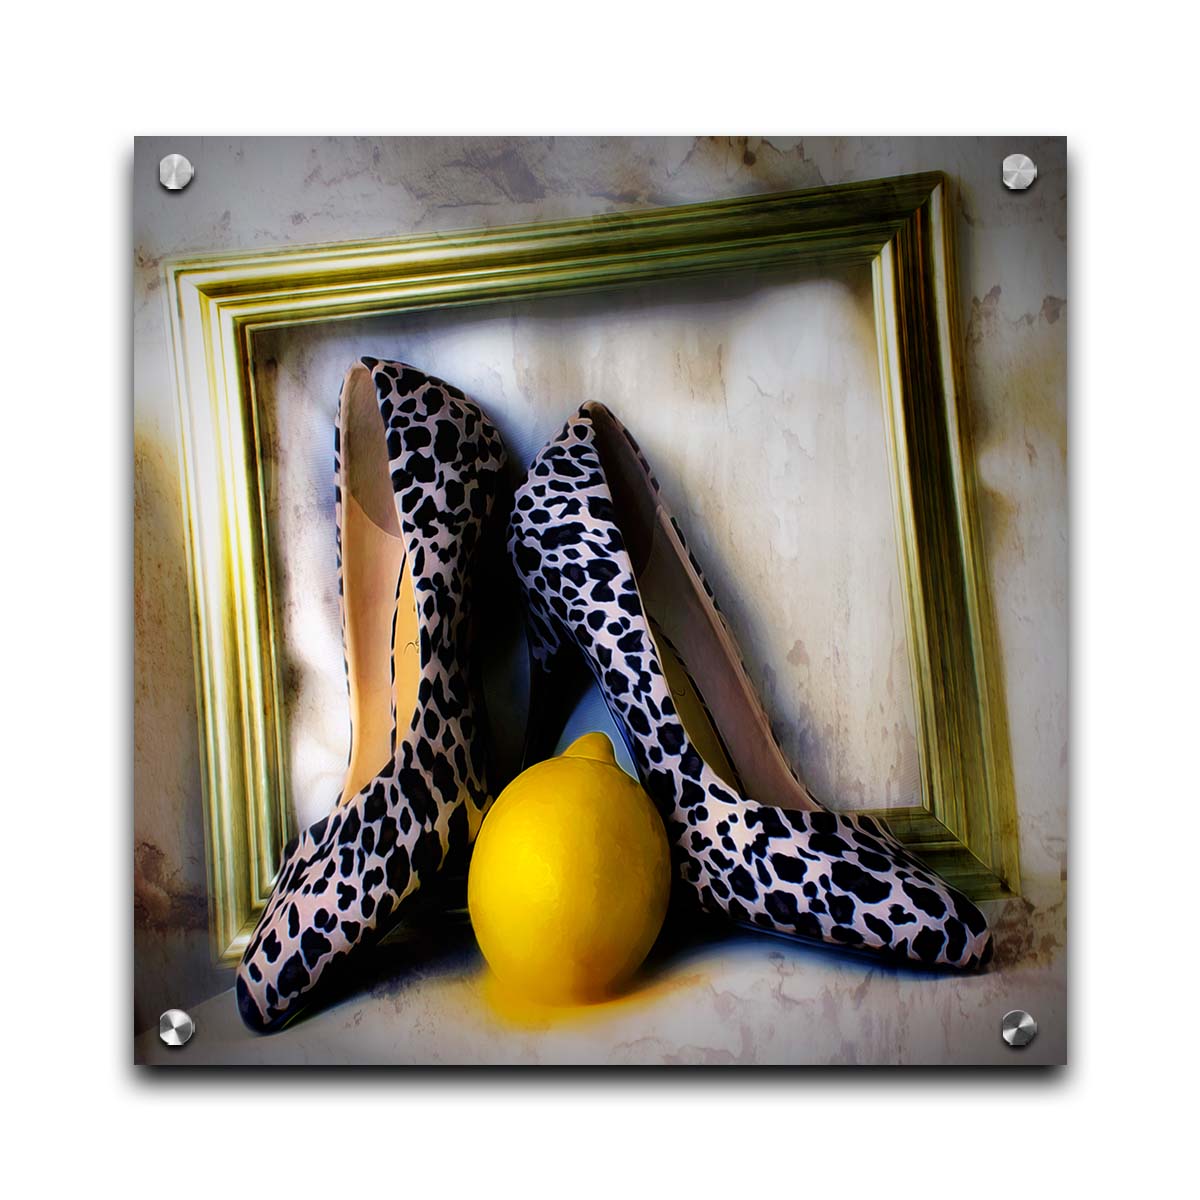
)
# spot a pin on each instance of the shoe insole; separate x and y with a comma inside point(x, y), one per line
point(692, 711)
point(378, 600)
point(381, 629)
point(711, 689)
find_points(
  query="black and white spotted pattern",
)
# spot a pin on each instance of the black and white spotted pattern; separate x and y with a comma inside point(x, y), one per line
point(346, 879)
point(817, 875)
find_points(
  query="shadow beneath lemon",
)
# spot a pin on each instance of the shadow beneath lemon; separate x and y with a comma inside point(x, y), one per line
point(675, 965)
point(521, 1012)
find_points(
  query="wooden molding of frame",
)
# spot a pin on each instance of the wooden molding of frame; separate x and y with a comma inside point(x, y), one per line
point(966, 827)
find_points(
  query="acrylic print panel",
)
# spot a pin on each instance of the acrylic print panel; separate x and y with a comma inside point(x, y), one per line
point(756, 399)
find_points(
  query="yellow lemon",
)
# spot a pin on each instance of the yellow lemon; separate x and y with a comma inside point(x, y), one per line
point(570, 877)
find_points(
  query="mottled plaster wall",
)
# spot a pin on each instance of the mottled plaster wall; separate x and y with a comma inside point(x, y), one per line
point(1012, 250)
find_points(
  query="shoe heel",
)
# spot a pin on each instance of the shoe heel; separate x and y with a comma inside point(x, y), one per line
point(495, 609)
point(558, 677)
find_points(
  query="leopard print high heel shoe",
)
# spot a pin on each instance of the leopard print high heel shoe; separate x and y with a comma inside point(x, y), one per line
point(607, 576)
point(417, 475)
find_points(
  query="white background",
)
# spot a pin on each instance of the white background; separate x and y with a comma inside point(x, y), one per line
point(76, 87)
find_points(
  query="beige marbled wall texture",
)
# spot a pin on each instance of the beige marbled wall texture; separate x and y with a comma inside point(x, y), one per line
point(755, 398)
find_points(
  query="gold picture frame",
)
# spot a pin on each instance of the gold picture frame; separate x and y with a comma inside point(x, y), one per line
point(965, 826)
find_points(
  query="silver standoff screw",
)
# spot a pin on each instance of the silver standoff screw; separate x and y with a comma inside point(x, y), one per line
point(175, 172)
point(1018, 1028)
point(175, 1027)
point(1019, 171)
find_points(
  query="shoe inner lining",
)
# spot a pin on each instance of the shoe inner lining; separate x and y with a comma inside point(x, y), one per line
point(381, 627)
point(720, 712)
